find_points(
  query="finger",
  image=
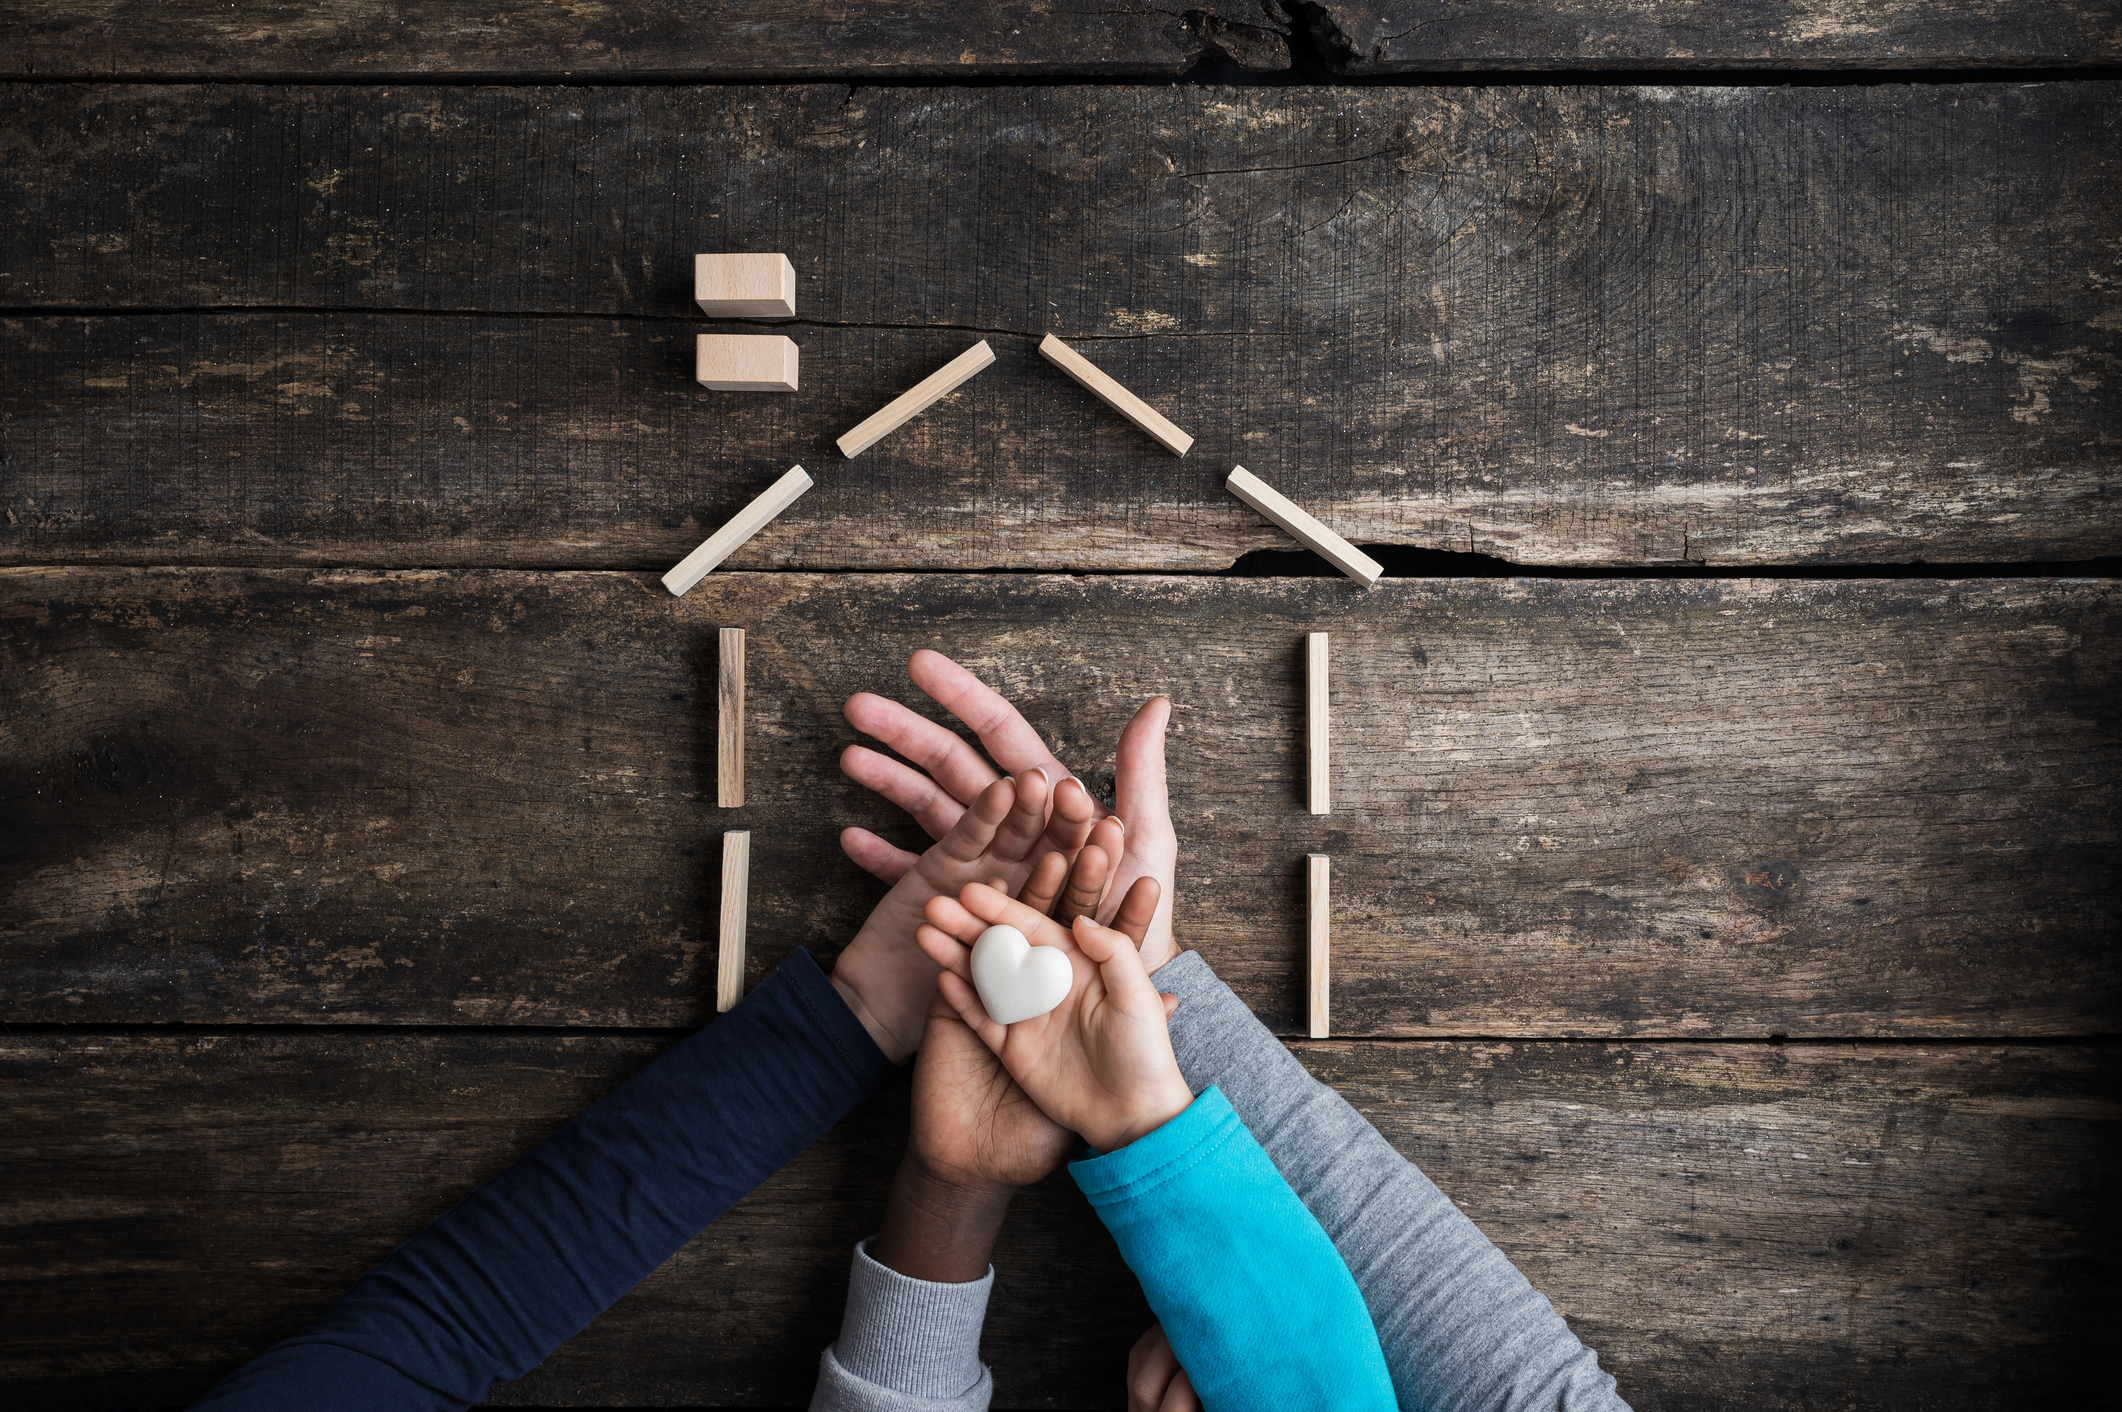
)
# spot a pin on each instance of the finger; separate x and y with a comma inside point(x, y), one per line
point(1086, 884)
point(1027, 819)
point(987, 906)
point(1138, 909)
point(1119, 966)
point(949, 916)
point(946, 759)
point(966, 1001)
point(974, 833)
point(1151, 1366)
point(1043, 888)
point(1180, 1396)
point(1074, 813)
point(944, 949)
point(1171, 1006)
point(1138, 768)
point(911, 790)
point(1009, 738)
point(882, 861)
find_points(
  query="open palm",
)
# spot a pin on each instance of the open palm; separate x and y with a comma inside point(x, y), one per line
point(951, 775)
point(1100, 1063)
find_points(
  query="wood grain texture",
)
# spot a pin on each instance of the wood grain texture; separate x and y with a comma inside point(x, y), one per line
point(633, 40)
point(1851, 1225)
point(729, 719)
point(1318, 722)
point(1603, 808)
point(1318, 942)
point(1578, 325)
point(735, 907)
point(1392, 36)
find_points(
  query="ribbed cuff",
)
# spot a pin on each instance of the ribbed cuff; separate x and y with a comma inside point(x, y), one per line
point(913, 1336)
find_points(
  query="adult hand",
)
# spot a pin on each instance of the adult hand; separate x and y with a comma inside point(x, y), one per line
point(1099, 1063)
point(1155, 1381)
point(882, 974)
point(951, 774)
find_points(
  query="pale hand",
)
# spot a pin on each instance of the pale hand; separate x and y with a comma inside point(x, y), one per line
point(952, 775)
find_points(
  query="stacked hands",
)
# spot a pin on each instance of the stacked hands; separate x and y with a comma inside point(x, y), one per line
point(1221, 1203)
point(997, 1107)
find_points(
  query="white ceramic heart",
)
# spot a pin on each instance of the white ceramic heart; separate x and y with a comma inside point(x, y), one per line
point(1016, 980)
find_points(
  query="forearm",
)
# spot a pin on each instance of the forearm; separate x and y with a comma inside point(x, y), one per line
point(916, 1298)
point(936, 1230)
point(1258, 1306)
point(1459, 1325)
point(527, 1260)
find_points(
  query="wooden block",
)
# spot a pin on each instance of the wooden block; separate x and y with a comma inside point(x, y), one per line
point(1315, 682)
point(1069, 361)
point(745, 362)
point(917, 399)
point(729, 724)
point(1316, 869)
point(746, 523)
point(744, 286)
point(1315, 536)
point(736, 898)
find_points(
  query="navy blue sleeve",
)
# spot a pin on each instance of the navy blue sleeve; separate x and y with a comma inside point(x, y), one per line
point(526, 1261)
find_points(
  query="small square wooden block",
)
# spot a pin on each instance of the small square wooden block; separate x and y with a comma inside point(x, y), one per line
point(744, 286)
point(746, 362)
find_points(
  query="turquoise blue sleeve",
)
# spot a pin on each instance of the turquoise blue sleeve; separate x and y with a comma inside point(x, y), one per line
point(1251, 1293)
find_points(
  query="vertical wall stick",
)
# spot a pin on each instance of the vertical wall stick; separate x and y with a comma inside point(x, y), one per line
point(729, 728)
point(1315, 683)
point(736, 897)
point(1316, 866)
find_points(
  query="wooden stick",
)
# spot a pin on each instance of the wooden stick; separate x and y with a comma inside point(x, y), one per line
point(1316, 866)
point(1316, 537)
point(1315, 682)
point(916, 399)
point(736, 896)
point(729, 726)
point(1069, 361)
point(746, 523)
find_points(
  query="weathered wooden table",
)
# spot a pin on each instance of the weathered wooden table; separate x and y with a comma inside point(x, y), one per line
point(1727, 923)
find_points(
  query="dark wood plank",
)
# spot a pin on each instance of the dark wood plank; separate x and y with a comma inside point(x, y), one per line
point(1560, 326)
point(1397, 36)
point(633, 40)
point(1562, 807)
point(1857, 1226)
point(79, 39)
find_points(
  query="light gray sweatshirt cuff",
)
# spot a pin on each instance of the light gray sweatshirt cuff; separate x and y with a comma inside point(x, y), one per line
point(906, 1345)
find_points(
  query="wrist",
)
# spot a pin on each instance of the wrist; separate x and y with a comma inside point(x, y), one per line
point(1141, 1119)
point(847, 978)
point(937, 1228)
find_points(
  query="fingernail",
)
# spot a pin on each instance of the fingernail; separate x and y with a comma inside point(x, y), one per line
point(1044, 778)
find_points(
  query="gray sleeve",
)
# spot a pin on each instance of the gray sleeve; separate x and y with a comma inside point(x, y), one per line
point(906, 1345)
point(1462, 1330)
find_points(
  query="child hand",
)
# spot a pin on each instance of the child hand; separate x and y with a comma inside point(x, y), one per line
point(1101, 1061)
point(1155, 1381)
point(974, 1129)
